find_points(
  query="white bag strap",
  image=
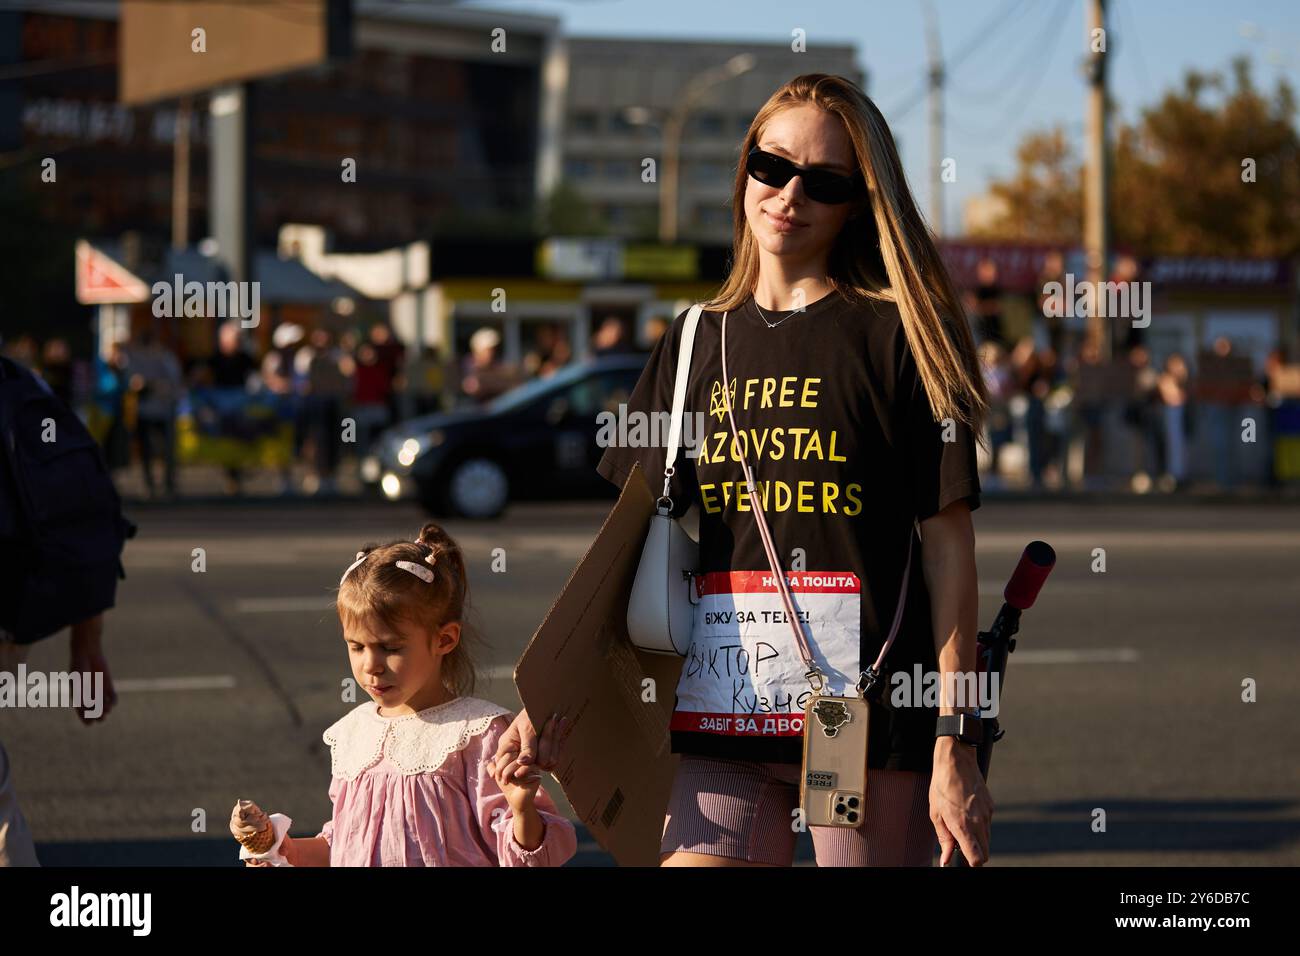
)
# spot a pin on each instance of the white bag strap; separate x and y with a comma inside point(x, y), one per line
point(679, 397)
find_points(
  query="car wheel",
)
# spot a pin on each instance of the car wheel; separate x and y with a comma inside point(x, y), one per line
point(477, 488)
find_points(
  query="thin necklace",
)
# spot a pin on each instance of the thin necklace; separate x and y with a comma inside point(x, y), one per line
point(771, 325)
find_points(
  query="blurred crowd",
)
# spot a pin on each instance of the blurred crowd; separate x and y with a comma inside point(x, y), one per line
point(1056, 408)
point(1055, 401)
point(137, 392)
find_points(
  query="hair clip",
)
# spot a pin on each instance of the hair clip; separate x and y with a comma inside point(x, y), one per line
point(432, 557)
point(424, 574)
point(361, 556)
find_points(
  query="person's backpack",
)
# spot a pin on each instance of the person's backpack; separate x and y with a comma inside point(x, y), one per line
point(61, 523)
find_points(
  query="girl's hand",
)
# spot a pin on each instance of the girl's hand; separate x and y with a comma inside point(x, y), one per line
point(520, 793)
point(960, 806)
point(521, 749)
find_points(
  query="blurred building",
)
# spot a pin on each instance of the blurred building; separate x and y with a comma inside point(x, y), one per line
point(446, 131)
point(619, 93)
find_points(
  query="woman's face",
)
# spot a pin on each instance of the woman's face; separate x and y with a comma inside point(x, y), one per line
point(807, 136)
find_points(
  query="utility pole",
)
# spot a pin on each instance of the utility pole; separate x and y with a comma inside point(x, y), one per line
point(1096, 228)
point(935, 52)
point(181, 175)
point(674, 127)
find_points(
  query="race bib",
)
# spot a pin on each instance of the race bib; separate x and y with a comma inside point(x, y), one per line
point(743, 675)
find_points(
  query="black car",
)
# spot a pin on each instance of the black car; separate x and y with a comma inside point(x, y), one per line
point(536, 441)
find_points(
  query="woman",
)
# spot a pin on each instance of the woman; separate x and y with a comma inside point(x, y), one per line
point(859, 412)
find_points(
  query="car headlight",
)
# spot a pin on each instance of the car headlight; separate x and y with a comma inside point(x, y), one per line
point(409, 451)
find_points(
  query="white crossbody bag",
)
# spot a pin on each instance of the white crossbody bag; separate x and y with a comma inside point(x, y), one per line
point(660, 611)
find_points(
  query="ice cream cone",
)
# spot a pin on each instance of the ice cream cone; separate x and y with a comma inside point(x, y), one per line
point(251, 827)
point(261, 841)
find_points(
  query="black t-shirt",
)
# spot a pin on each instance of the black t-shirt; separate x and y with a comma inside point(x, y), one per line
point(838, 431)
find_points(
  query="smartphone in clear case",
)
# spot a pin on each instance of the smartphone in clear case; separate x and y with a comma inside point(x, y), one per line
point(833, 788)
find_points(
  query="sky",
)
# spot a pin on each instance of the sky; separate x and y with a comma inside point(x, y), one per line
point(1022, 65)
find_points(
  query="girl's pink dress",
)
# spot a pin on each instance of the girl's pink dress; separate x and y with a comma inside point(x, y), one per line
point(414, 791)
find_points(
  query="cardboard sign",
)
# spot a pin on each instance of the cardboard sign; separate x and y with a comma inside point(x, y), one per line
point(616, 767)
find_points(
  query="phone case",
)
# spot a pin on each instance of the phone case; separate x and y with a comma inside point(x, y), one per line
point(833, 787)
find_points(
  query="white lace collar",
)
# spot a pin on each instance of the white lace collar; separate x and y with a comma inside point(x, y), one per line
point(415, 743)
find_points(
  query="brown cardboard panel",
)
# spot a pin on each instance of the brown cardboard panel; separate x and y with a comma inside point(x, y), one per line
point(616, 767)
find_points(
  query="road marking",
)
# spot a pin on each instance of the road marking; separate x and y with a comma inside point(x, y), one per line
point(215, 682)
point(1096, 655)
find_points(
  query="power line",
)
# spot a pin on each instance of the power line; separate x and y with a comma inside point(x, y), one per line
point(1006, 83)
point(974, 43)
point(1017, 108)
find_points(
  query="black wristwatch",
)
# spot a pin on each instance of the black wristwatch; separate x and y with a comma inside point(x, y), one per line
point(967, 728)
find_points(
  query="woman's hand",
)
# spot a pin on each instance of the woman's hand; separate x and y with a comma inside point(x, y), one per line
point(960, 806)
point(521, 750)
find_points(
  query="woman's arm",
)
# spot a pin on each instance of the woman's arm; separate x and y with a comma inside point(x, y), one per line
point(960, 806)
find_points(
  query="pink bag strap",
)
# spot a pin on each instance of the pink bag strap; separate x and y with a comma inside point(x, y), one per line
point(814, 676)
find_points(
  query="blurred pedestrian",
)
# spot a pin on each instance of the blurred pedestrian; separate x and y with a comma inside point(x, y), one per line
point(326, 389)
point(281, 378)
point(655, 327)
point(483, 375)
point(1000, 382)
point(230, 368)
point(611, 338)
point(154, 376)
point(1216, 411)
point(422, 385)
point(1089, 412)
point(371, 393)
point(1144, 420)
point(550, 352)
point(1052, 307)
point(109, 388)
point(1034, 374)
point(60, 560)
point(988, 302)
point(390, 353)
point(1173, 389)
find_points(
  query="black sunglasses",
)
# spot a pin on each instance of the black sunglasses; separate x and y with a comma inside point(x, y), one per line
point(820, 185)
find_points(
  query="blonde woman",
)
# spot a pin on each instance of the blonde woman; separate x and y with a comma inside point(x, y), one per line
point(857, 397)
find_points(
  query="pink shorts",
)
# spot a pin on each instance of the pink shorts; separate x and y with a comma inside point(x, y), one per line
point(744, 810)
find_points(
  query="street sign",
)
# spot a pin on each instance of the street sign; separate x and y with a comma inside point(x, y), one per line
point(101, 281)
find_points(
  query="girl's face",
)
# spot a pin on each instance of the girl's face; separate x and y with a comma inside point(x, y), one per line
point(400, 669)
point(807, 136)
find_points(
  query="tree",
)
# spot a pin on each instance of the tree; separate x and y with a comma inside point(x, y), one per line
point(1178, 184)
point(1043, 201)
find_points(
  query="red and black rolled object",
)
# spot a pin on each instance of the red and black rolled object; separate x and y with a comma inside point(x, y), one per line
point(998, 641)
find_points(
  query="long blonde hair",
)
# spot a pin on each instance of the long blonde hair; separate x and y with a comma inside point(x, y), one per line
point(896, 261)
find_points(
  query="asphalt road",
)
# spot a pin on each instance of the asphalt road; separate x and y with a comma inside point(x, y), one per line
point(1123, 696)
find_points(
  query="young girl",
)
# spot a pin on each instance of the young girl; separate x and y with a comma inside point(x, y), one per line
point(411, 781)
